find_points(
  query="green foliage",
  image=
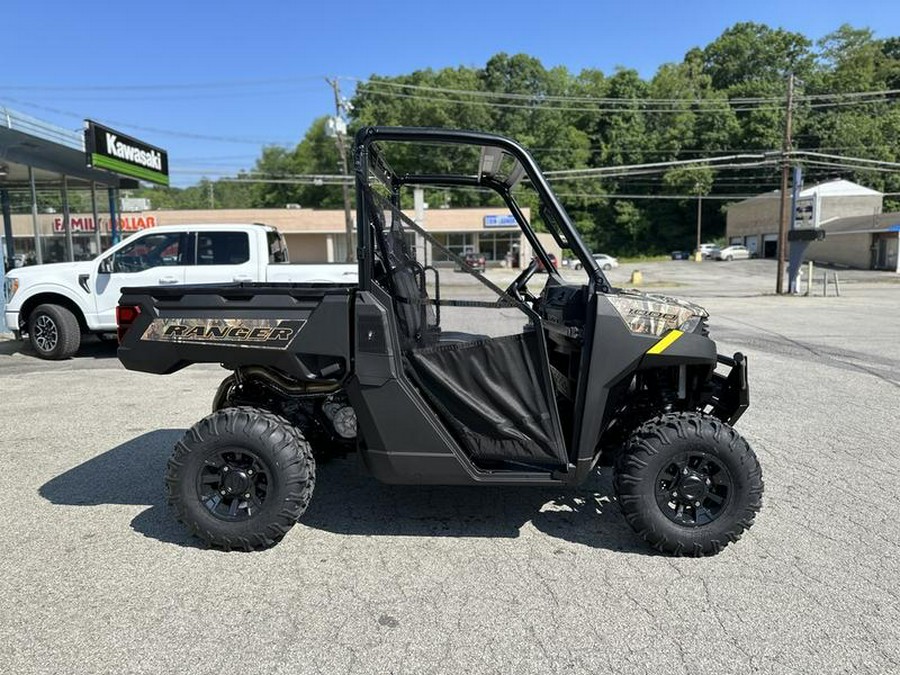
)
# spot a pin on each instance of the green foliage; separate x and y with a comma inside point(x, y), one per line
point(576, 120)
point(692, 179)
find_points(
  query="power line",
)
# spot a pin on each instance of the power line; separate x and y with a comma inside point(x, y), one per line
point(165, 132)
point(614, 100)
point(810, 153)
point(535, 105)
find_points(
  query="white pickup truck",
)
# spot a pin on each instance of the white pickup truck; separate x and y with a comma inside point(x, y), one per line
point(54, 304)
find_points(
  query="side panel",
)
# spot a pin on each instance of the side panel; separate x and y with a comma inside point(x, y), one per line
point(404, 441)
point(302, 331)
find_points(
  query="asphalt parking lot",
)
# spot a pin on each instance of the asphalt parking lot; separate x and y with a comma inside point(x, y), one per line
point(97, 578)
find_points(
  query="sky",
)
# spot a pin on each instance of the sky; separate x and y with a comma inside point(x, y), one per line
point(212, 82)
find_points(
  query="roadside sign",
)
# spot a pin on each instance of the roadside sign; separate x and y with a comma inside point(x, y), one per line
point(114, 151)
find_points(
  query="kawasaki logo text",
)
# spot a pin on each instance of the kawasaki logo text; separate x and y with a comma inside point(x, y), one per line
point(152, 159)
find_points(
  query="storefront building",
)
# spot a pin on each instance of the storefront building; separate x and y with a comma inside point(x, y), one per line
point(312, 235)
point(857, 233)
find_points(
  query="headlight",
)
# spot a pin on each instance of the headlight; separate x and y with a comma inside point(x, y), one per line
point(691, 324)
point(696, 324)
point(12, 285)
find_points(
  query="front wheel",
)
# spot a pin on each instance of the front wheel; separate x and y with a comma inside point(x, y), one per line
point(240, 478)
point(688, 483)
point(54, 332)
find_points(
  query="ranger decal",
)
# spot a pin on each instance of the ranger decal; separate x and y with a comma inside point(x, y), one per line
point(256, 333)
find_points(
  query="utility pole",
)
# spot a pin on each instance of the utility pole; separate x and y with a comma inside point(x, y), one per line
point(699, 212)
point(339, 109)
point(785, 173)
point(209, 191)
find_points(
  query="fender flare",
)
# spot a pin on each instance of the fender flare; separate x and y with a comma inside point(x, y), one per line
point(49, 292)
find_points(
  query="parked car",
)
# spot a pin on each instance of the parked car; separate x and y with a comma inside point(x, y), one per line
point(476, 261)
point(680, 255)
point(54, 304)
point(729, 253)
point(706, 250)
point(606, 262)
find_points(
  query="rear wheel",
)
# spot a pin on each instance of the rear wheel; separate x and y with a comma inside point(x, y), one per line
point(688, 484)
point(607, 267)
point(729, 258)
point(54, 332)
point(240, 478)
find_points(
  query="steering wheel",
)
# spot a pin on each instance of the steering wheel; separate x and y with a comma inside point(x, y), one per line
point(518, 288)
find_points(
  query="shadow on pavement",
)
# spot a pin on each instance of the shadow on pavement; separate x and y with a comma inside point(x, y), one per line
point(348, 501)
point(92, 347)
point(131, 473)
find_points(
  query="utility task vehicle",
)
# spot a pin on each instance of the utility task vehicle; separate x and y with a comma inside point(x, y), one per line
point(446, 378)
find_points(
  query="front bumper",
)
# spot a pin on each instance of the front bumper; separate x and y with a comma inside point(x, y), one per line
point(12, 321)
point(730, 395)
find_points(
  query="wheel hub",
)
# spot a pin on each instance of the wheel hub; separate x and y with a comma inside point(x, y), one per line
point(693, 489)
point(236, 481)
point(233, 484)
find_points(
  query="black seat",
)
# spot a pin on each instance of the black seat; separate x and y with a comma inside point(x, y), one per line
point(416, 317)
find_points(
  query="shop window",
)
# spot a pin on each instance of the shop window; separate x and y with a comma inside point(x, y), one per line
point(496, 245)
point(459, 243)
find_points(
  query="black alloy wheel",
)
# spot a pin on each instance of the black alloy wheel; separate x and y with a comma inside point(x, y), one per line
point(240, 478)
point(233, 484)
point(693, 489)
point(688, 483)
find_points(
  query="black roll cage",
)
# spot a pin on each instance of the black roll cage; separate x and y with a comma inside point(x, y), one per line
point(369, 159)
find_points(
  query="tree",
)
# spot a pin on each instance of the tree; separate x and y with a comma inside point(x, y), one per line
point(754, 54)
point(316, 154)
point(722, 98)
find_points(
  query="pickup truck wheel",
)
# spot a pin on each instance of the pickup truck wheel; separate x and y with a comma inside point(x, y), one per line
point(54, 332)
point(688, 484)
point(240, 478)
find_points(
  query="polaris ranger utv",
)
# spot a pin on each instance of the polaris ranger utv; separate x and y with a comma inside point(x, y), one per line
point(442, 378)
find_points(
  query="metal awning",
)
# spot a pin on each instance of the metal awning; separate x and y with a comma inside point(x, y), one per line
point(51, 151)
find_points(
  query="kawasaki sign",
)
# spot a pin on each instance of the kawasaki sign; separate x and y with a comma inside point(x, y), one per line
point(111, 150)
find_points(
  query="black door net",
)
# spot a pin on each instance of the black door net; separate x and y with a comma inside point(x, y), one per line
point(492, 396)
